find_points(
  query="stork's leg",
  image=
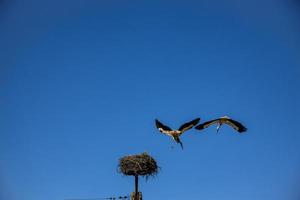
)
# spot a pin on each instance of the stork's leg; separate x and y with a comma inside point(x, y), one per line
point(178, 141)
point(219, 126)
point(181, 144)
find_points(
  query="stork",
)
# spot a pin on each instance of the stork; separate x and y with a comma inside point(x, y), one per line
point(223, 120)
point(175, 134)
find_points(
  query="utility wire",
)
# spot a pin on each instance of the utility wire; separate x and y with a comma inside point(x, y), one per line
point(107, 198)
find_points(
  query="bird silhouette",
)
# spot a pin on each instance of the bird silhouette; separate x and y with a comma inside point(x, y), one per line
point(223, 120)
point(175, 134)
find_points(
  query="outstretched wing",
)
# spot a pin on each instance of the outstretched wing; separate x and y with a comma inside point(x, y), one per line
point(189, 125)
point(236, 125)
point(207, 124)
point(161, 127)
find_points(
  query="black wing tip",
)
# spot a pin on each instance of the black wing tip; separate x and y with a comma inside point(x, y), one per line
point(189, 125)
point(243, 129)
point(199, 127)
point(157, 123)
point(196, 121)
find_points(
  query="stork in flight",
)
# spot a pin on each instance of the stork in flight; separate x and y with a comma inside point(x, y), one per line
point(175, 134)
point(223, 120)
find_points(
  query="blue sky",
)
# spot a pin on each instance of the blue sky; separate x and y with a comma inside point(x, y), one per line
point(83, 81)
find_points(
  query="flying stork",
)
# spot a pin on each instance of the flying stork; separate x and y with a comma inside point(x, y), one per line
point(223, 120)
point(175, 134)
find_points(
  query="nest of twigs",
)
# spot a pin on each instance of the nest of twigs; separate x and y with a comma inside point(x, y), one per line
point(138, 165)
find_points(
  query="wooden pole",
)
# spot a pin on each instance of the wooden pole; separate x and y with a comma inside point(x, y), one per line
point(136, 181)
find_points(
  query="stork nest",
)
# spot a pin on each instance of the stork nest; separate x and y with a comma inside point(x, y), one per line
point(138, 165)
